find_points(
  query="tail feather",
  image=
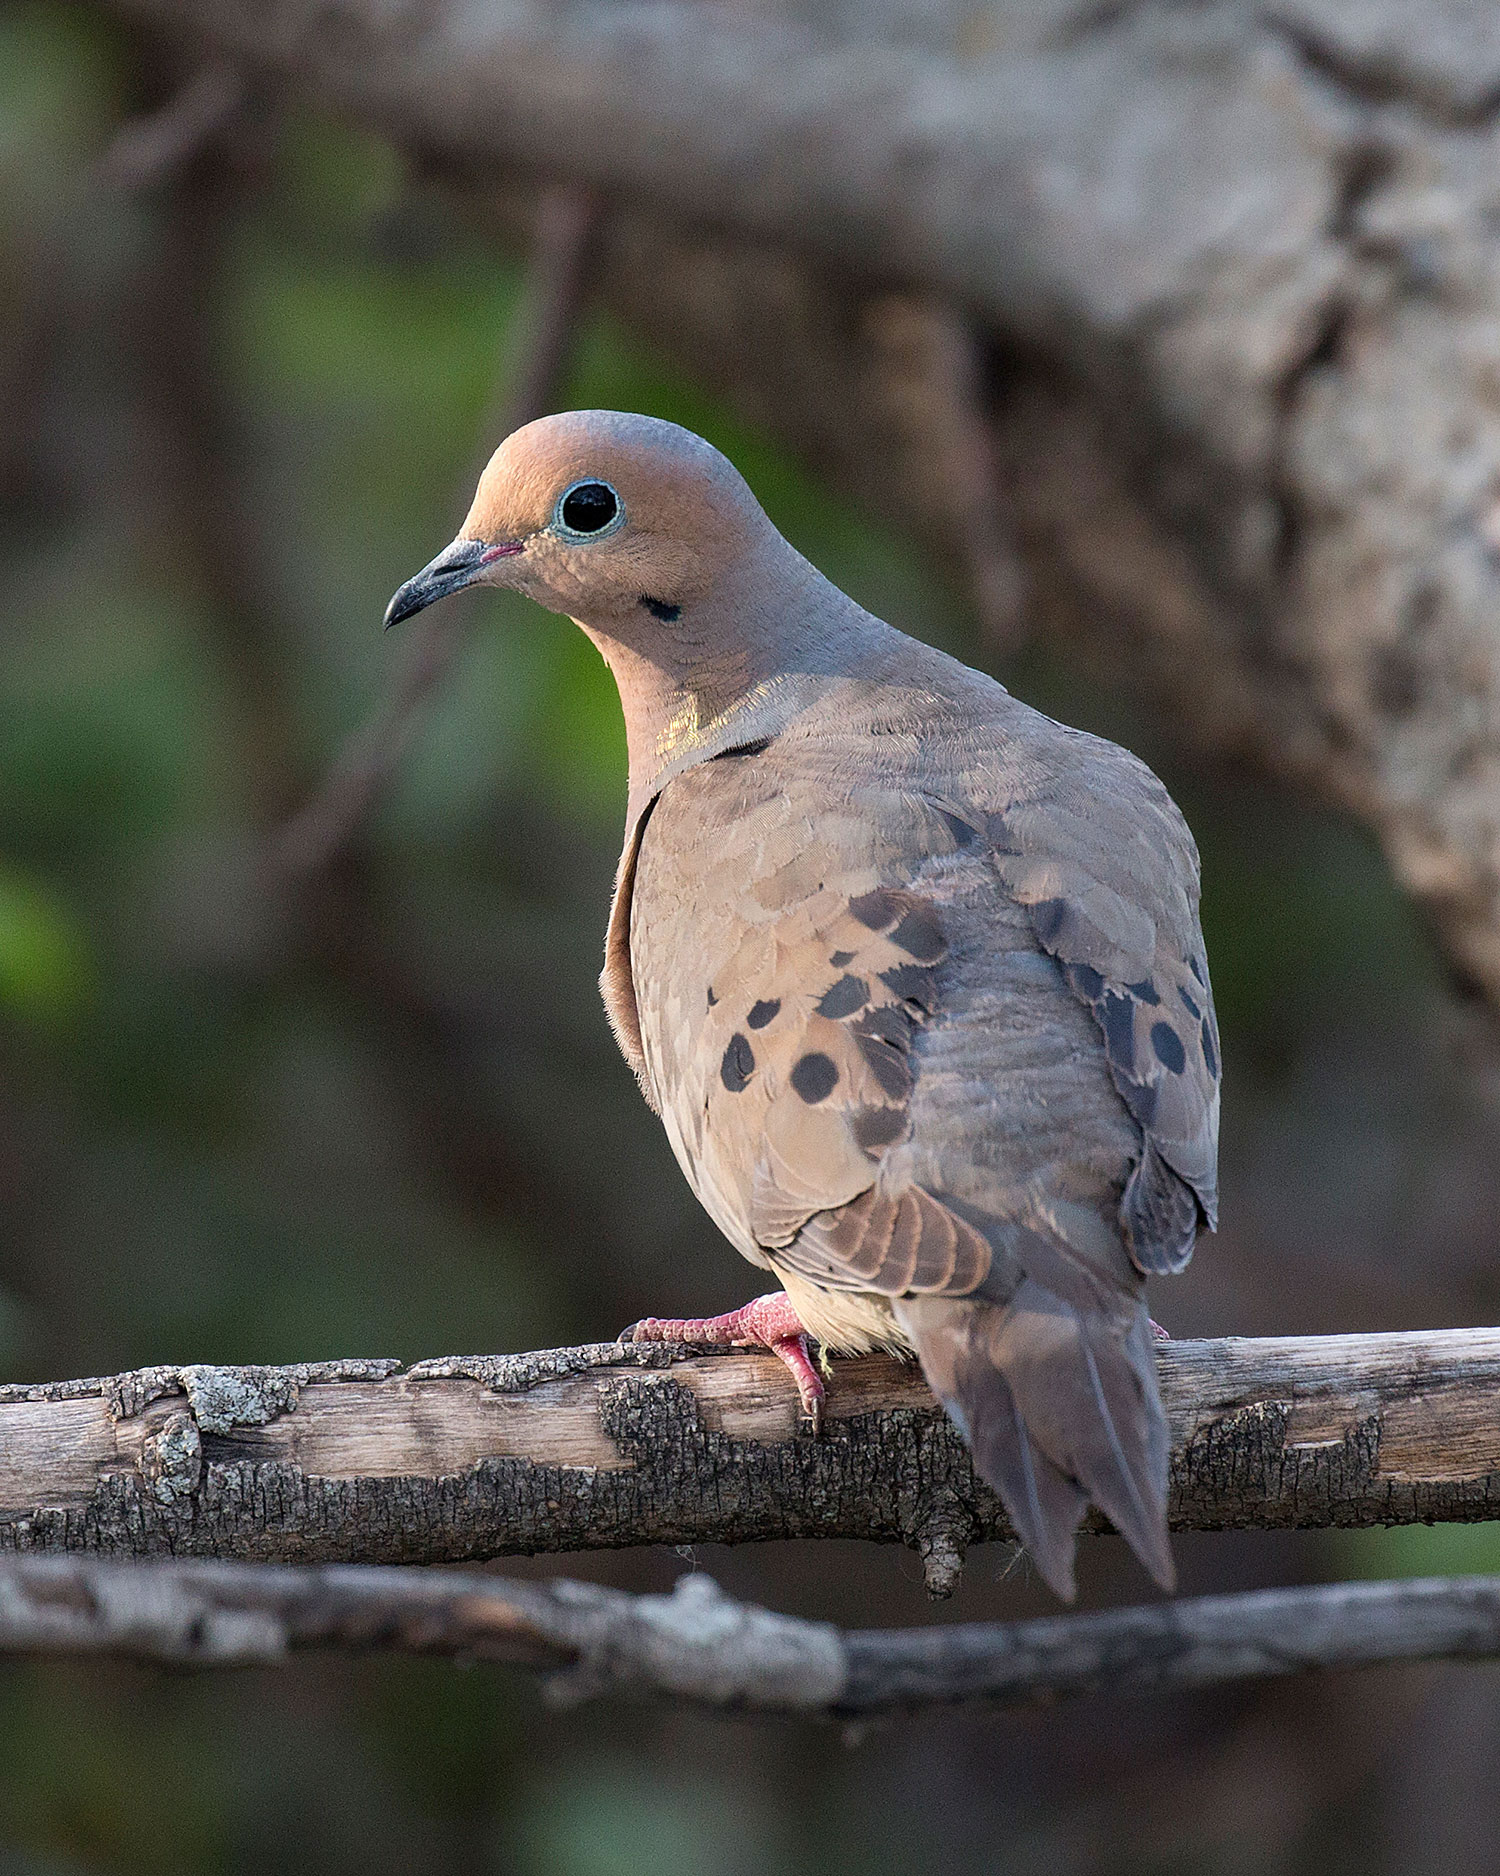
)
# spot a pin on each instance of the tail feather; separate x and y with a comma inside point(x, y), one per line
point(1058, 1407)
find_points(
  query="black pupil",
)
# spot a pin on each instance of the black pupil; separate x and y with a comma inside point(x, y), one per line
point(589, 507)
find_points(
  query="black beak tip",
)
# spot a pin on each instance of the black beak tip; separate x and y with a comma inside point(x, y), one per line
point(400, 608)
point(456, 567)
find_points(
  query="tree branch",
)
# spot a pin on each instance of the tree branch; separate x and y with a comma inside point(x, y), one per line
point(700, 1645)
point(459, 1459)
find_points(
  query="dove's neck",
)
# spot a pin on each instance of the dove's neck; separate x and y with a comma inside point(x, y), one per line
point(735, 666)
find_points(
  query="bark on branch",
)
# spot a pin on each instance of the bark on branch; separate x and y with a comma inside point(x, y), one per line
point(698, 1644)
point(459, 1459)
point(1239, 261)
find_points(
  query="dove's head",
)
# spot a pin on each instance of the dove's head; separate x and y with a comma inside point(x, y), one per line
point(621, 521)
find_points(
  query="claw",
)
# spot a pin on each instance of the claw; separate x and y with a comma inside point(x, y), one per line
point(769, 1322)
point(793, 1351)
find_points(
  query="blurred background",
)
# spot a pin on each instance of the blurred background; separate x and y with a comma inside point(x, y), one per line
point(248, 1122)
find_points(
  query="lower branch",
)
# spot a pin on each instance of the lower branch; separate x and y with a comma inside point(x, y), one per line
point(698, 1644)
point(461, 1459)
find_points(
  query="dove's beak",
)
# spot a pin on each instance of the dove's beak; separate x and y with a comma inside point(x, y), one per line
point(457, 566)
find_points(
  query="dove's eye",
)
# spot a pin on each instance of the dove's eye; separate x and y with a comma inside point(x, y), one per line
point(588, 509)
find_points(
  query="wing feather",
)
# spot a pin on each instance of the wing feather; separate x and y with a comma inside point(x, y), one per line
point(1110, 877)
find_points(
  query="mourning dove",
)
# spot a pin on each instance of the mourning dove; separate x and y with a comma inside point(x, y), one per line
point(912, 974)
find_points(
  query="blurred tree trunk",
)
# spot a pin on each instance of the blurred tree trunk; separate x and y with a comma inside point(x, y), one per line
point(1232, 272)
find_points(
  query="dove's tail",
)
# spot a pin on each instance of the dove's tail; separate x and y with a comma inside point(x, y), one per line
point(1059, 1406)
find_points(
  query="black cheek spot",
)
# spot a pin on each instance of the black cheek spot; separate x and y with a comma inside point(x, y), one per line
point(661, 609)
point(1188, 1004)
point(1210, 1053)
point(1168, 1046)
point(1118, 1017)
point(838, 959)
point(738, 1064)
point(763, 1012)
point(844, 998)
point(1145, 992)
point(815, 1078)
point(877, 909)
point(921, 937)
point(878, 1127)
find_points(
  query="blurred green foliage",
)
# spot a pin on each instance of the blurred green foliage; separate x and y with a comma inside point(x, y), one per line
point(45, 970)
point(1417, 1550)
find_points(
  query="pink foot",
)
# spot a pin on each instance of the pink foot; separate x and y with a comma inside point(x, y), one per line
point(769, 1322)
point(1161, 1334)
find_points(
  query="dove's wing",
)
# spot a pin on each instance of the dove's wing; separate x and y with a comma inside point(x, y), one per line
point(1098, 851)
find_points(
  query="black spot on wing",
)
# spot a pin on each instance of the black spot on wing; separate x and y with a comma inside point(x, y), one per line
point(887, 1023)
point(1188, 1004)
point(1198, 971)
point(878, 1127)
point(838, 959)
point(1145, 991)
point(920, 936)
point(888, 1067)
point(1141, 1101)
point(1117, 1018)
point(814, 1078)
point(913, 982)
point(738, 1064)
point(712, 999)
point(1086, 982)
point(1168, 1046)
point(1210, 1053)
point(763, 1012)
point(844, 998)
point(661, 609)
point(879, 909)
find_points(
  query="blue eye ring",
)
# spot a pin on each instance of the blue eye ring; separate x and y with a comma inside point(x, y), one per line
point(590, 496)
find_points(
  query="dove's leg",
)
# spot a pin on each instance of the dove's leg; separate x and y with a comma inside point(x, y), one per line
point(769, 1322)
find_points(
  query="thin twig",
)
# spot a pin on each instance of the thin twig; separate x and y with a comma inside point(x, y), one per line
point(698, 1644)
point(149, 149)
point(568, 220)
